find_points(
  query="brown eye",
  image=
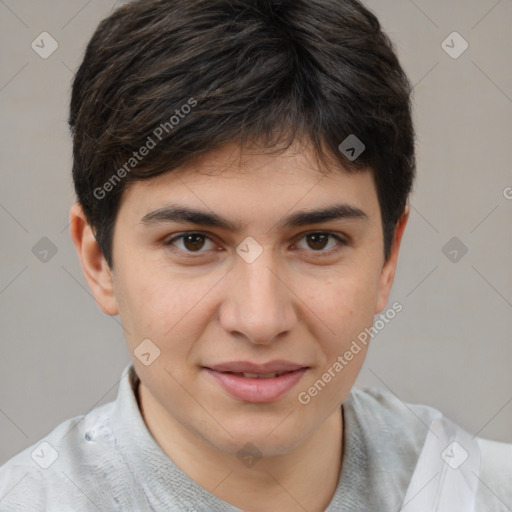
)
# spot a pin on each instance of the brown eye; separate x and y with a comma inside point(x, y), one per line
point(191, 242)
point(317, 242)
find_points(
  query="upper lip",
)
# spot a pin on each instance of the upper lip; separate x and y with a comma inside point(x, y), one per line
point(277, 366)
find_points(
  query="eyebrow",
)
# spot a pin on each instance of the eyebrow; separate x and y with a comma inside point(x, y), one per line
point(176, 213)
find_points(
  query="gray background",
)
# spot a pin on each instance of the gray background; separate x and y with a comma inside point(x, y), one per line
point(449, 347)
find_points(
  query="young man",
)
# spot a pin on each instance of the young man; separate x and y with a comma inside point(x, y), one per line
point(242, 169)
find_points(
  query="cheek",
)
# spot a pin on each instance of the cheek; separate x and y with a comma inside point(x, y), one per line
point(346, 306)
point(146, 302)
point(346, 299)
point(167, 307)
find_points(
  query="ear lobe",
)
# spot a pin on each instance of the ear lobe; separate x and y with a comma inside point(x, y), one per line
point(94, 266)
point(388, 272)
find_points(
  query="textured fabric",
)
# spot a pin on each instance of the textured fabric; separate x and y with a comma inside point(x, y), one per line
point(108, 461)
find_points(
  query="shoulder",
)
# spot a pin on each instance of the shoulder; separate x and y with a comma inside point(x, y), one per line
point(378, 409)
point(495, 479)
point(405, 426)
point(53, 470)
point(391, 434)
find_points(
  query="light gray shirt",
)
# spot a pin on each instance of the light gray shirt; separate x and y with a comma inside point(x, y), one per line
point(107, 460)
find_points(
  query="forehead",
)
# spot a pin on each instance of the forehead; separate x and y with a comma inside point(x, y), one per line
point(251, 181)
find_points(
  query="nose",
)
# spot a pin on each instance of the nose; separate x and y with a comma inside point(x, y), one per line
point(259, 303)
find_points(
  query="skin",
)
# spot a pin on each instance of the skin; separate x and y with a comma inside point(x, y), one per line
point(300, 300)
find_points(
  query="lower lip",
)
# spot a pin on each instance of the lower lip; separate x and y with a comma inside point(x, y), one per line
point(257, 390)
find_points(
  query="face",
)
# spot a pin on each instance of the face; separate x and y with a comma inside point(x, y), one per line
point(267, 285)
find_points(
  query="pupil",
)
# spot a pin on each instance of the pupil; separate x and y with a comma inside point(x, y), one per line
point(315, 237)
point(193, 246)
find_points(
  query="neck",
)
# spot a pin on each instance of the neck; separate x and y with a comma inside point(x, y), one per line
point(304, 478)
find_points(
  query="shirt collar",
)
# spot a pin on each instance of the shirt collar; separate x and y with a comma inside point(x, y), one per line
point(159, 478)
point(163, 482)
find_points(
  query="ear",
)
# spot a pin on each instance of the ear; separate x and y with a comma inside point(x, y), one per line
point(388, 271)
point(94, 266)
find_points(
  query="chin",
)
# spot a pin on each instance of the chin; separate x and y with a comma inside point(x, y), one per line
point(262, 441)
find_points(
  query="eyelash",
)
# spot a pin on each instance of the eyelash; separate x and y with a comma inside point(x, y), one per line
point(169, 242)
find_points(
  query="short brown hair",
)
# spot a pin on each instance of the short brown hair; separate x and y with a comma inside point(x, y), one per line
point(209, 72)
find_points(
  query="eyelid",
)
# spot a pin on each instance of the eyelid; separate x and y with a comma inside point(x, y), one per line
point(342, 240)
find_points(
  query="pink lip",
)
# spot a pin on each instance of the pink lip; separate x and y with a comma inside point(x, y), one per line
point(276, 366)
point(257, 390)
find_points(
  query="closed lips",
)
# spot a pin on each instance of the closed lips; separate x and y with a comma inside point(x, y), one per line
point(254, 383)
point(257, 375)
point(249, 369)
